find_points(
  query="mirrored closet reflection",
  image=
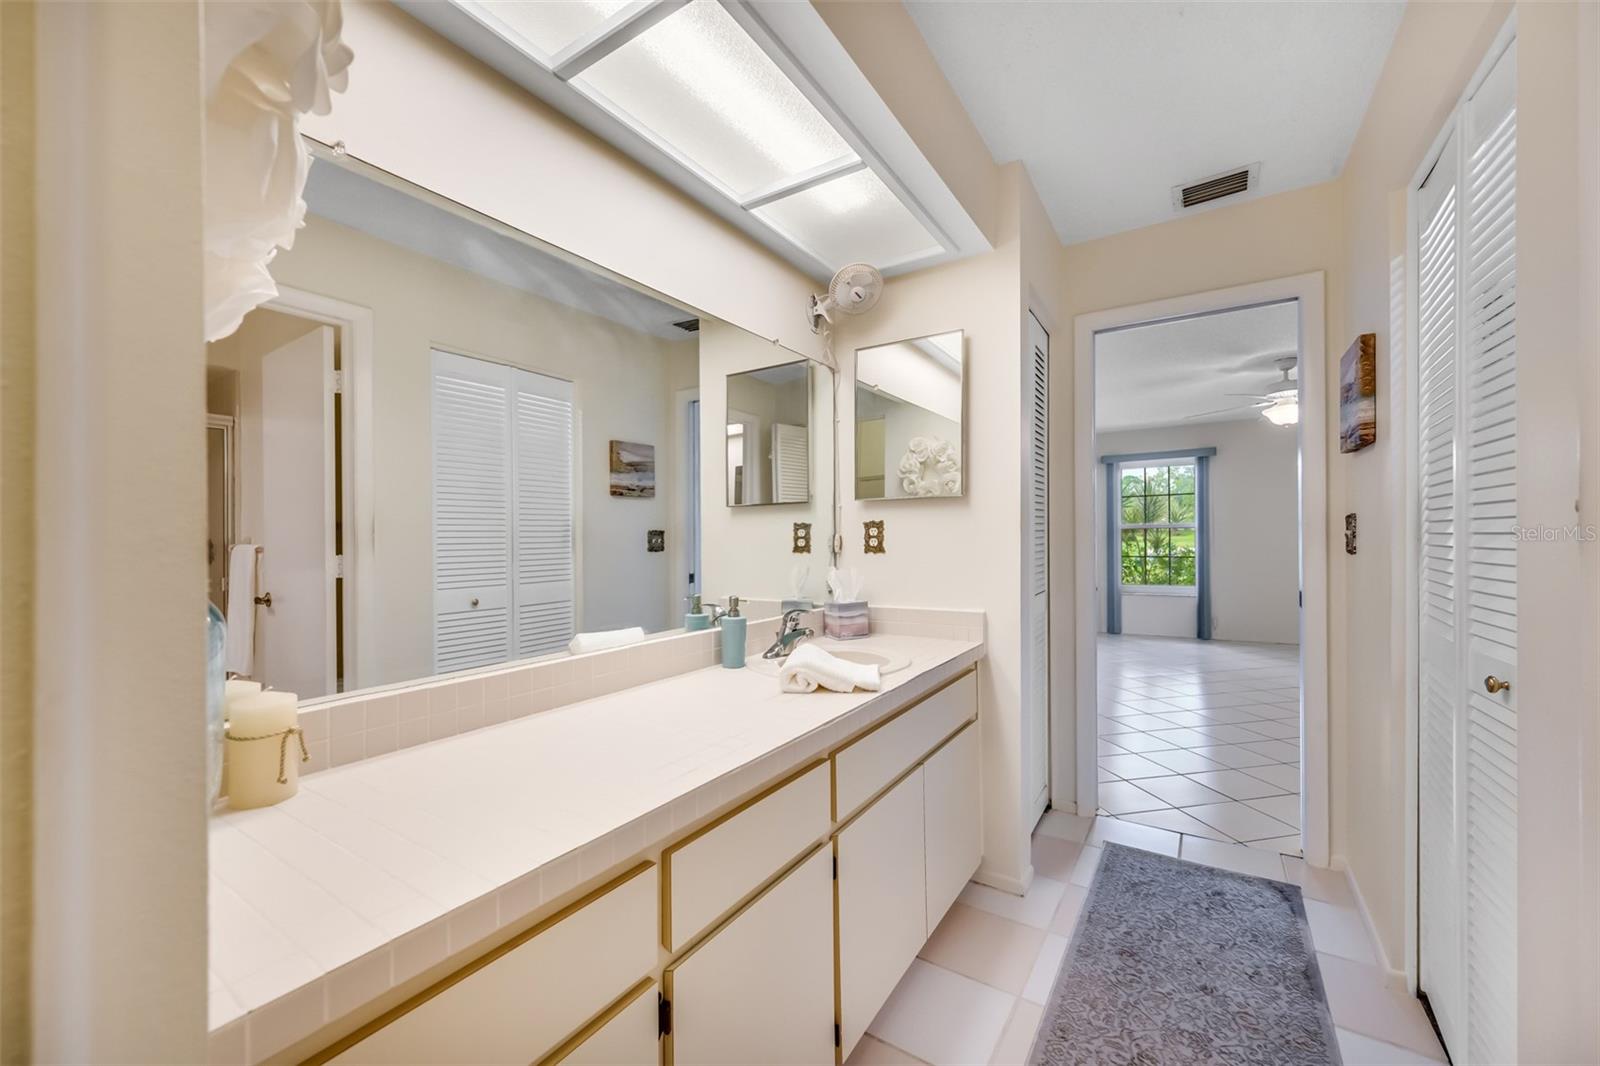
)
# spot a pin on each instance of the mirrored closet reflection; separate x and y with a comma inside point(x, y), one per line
point(447, 446)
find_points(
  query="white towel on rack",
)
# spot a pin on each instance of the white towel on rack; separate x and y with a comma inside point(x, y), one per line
point(240, 657)
point(602, 639)
point(809, 668)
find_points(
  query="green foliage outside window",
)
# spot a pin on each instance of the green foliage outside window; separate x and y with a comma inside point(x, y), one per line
point(1158, 525)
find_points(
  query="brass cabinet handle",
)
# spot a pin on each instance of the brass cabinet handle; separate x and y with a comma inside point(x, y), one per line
point(1494, 684)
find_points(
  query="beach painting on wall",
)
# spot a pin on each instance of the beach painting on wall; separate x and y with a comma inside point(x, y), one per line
point(1358, 394)
point(633, 469)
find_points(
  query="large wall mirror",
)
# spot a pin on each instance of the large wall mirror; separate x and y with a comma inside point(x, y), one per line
point(910, 402)
point(447, 446)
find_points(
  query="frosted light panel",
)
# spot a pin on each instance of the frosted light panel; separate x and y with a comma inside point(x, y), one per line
point(702, 88)
point(851, 219)
point(548, 26)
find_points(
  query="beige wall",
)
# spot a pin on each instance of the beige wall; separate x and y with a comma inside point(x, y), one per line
point(16, 523)
point(624, 382)
point(119, 953)
point(747, 551)
point(422, 109)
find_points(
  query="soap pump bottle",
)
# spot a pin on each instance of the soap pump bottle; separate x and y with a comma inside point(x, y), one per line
point(697, 617)
point(733, 635)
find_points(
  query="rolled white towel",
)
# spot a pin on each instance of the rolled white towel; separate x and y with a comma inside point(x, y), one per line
point(601, 639)
point(809, 667)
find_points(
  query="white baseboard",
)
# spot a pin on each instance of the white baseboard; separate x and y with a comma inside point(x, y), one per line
point(1005, 882)
point(1373, 938)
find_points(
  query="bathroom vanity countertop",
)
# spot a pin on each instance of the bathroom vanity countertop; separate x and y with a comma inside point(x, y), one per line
point(378, 870)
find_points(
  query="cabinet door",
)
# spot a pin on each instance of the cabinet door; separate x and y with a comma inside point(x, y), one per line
point(760, 987)
point(953, 813)
point(882, 903)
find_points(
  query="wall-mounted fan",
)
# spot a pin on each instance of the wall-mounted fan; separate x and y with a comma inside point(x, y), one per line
point(853, 290)
point(1278, 404)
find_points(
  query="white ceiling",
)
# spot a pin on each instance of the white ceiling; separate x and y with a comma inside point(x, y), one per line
point(1110, 104)
point(1183, 371)
point(352, 199)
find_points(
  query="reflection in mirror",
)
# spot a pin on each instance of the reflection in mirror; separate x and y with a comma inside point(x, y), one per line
point(446, 446)
point(769, 435)
point(909, 406)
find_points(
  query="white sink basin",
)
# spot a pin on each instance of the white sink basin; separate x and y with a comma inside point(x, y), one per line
point(866, 652)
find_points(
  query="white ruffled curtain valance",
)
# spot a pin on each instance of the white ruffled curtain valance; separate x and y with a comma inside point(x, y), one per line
point(266, 63)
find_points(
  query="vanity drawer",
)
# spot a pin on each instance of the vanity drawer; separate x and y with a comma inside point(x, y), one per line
point(627, 1034)
point(524, 998)
point(867, 764)
point(709, 872)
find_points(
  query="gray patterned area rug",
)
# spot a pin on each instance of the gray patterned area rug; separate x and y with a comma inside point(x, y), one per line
point(1177, 964)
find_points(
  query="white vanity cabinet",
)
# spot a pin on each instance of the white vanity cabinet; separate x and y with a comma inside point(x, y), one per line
point(628, 1034)
point(953, 811)
point(521, 1000)
point(882, 903)
point(759, 989)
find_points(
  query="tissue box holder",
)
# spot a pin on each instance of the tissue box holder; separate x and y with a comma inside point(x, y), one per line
point(845, 621)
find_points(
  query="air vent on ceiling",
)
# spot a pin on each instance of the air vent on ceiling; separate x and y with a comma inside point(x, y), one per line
point(689, 325)
point(1206, 190)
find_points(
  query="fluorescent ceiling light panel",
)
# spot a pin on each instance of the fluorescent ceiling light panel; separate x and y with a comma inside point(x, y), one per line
point(543, 29)
point(697, 84)
point(692, 82)
point(853, 219)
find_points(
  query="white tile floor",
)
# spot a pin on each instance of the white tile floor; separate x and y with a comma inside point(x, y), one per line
point(1202, 738)
point(977, 993)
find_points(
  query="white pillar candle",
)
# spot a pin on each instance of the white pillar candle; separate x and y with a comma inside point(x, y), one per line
point(237, 689)
point(263, 744)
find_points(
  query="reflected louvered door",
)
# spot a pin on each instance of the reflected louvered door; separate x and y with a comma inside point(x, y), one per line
point(791, 466)
point(543, 532)
point(1467, 840)
point(471, 513)
point(1037, 549)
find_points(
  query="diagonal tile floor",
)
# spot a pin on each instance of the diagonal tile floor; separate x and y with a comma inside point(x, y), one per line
point(977, 993)
point(1202, 738)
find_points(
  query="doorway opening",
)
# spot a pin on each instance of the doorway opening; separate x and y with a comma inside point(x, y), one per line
point(279, 500)
point(1202, 569)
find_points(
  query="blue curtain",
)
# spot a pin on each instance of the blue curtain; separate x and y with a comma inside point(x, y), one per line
point(1202, 546)
point(1113, 551)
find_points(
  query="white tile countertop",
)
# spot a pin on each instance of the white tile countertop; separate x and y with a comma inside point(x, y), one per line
point(376, 871)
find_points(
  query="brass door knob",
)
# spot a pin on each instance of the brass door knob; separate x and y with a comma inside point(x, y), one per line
point(1493, 685)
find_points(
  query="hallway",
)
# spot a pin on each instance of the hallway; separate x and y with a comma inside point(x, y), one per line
point(1202, 738)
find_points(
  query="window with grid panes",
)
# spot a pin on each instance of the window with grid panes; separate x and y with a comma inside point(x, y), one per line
point(1157, 525)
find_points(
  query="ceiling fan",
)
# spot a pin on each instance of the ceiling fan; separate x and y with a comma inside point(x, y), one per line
point(1279, 404)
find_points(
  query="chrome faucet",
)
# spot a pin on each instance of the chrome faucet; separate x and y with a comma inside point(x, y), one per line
point(789, 634)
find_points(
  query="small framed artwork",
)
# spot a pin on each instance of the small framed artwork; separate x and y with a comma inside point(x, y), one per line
point(1358, 394)
point(633, 469)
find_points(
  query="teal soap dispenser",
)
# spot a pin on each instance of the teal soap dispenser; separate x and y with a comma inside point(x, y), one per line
point(697, 617)
point(733, 635)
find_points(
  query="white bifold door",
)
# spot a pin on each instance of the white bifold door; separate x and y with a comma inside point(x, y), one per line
point(1466, 444)
point(503, 565)
point(1036, 579)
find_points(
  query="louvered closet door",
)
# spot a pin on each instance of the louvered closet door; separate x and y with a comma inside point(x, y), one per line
point(1466, 287)
point(1038, 562)
point(471, 513)
point(791, 464)
point(543, 532)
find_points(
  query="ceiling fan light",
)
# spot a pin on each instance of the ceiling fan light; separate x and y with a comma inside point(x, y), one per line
point(1282, 414)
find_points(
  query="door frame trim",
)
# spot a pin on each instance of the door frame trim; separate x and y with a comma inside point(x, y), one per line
point(355, 327)
point(1308, 290)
